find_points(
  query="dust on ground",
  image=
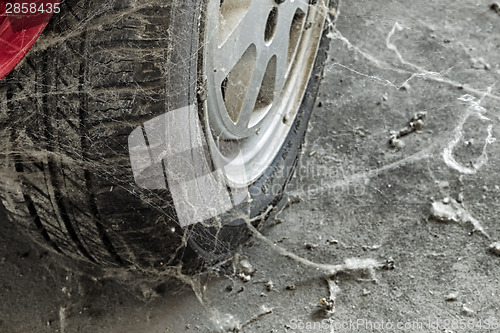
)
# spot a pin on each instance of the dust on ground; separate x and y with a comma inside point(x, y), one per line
point(406, 203)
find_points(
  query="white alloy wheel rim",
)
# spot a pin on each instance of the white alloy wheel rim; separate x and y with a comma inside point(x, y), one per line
point(258, 59)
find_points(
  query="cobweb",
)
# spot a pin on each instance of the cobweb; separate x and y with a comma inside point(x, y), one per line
point(423, 94)
point(409, 67)
point(65, 137)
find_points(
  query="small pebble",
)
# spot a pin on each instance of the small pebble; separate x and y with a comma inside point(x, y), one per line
point(246, 267)
point(495, 248)
point(405, 87)
point(310, 247)
point(396, 143)
point(467, 311)
point(244, 277)
point(451, 297)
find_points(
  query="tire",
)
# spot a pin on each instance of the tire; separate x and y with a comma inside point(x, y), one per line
point(101, 70)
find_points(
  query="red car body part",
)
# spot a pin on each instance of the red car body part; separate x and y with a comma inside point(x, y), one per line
point(21, 23)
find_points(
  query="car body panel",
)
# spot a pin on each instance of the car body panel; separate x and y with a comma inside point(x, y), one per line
point(19, 31)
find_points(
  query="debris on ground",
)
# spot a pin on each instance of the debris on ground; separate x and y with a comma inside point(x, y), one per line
point(495, 7)
point(389, 264)
point(495, 248)
point(405, 87)
point(310, 246)
point(451, 297)
point(396, 143)
point(371, 247)
point(244, 277)
point(449, 210)
point(327, 304)
point(357, 264)
point(243, 266)
point(350, 264)
point(415, 125)
point(247, 268)
point(480, 63)
point(467, 311)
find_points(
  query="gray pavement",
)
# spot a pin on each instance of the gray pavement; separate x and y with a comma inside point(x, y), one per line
point(422, 73)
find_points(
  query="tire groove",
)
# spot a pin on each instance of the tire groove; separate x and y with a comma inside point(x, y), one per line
point(58, 198)
point(63, 212)
point(38, 222)
point(28, 202)
point(58, 89)
point(85, 145)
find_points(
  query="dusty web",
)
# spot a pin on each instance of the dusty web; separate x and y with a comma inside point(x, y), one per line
point(395, 67)
point(386, 65)
point(95, 76)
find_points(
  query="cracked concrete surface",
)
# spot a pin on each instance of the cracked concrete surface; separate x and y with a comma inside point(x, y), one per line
point(353, 196)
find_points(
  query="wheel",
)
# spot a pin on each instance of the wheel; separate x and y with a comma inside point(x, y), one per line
point(146, 133)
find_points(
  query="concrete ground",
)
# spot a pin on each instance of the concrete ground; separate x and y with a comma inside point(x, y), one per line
point(412, 218)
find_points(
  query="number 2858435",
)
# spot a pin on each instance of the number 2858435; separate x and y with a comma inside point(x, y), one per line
point(32, 8)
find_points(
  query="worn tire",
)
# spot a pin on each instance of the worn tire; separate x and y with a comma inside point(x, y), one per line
point(101, 69)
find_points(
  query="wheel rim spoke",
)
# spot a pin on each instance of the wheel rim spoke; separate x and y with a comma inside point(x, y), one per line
point(247, 32)
point(253, 93)
point(257, 72)
point(280, 45)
